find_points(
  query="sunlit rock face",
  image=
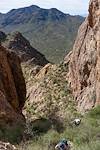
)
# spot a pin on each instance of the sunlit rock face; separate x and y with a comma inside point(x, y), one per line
point(84, 61)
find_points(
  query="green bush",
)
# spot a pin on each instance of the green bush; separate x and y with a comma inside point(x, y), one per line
point(11, 134)
point(95, 112)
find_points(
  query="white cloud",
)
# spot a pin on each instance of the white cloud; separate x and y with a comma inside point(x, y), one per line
point(68, 6)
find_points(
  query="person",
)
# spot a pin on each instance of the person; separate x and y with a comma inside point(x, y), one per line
point(62, 145)
point(77, 122)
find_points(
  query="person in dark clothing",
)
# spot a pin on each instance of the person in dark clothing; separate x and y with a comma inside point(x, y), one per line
point(62, 145)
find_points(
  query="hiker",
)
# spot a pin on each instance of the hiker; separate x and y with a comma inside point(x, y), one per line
point(62, 145)
point(77, 122)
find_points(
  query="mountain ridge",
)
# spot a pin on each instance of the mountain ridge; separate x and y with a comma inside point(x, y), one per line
point(50, 31)
point(38, 7)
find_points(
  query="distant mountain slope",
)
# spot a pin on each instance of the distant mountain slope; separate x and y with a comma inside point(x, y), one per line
point(49, 30)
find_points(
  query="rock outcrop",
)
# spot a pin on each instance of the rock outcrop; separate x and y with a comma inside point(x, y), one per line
point(7, 146)
point(12, 92)
point(30, 58)
point(84, 62)
point(19, 44)
point(48, 95)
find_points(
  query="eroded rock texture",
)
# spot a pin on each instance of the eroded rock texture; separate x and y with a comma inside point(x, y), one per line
point(84, 61)
point(12, 90)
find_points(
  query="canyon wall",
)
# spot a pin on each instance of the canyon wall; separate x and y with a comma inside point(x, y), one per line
point(84, 61)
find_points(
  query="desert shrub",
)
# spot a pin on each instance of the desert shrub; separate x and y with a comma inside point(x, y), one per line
point(12, 134)
point(95, 112)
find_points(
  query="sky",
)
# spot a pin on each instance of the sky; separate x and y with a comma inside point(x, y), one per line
point(79, 7)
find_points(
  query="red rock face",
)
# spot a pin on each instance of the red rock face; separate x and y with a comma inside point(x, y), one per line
point(84, 62)
point(12, 88)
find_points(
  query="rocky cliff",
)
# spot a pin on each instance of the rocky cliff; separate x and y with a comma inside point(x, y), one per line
point(12, 92)
point(84, 61)
point(31, 59)
point(19, 44)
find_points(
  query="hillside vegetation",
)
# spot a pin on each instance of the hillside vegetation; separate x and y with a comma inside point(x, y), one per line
point(50, 109)
point(84, 137)
point(40, 100)
point(49, 30)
